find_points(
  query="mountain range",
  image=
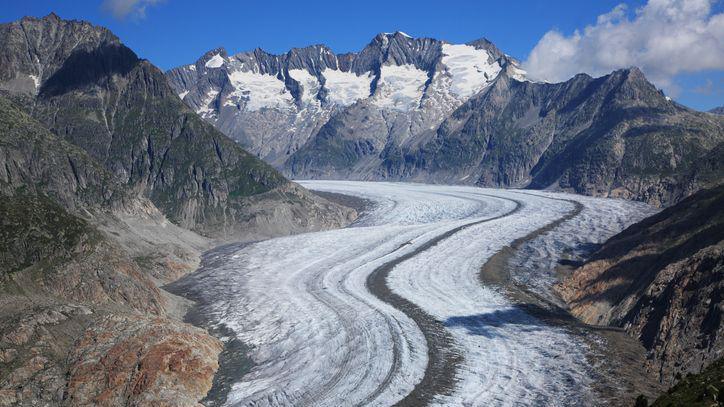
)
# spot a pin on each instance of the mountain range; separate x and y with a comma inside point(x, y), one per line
point(421, 109)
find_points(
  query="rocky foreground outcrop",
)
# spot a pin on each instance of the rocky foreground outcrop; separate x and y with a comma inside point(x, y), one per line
point(82, 323)
point(662, 280)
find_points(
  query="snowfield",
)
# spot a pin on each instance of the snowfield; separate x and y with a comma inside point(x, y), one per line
point(319, 336)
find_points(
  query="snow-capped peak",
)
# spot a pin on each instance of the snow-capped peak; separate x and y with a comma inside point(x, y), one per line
point(278, 101)
point(215, 62)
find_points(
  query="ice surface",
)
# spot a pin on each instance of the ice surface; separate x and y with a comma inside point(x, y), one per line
point(536, 262)
point(510, 357)
point(310, 85)
point(319, 337)
point(215, 62)
point(345, 88)
point(259, 91)
point(400, 87)
point(471, 69)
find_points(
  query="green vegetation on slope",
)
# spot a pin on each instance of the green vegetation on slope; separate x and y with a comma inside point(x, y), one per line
point(695, 390)
point(34, 228)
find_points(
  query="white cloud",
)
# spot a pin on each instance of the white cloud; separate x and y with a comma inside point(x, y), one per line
point(663, 38)
point(121, 9)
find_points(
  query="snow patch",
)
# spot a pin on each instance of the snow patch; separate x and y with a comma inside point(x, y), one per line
point(310, 85)
point(259, 91)
point(469, 68)
point(36, 81)
point(215, 62)
point(205, 110)
point(183, 94)
point(400, 87)
point(345, 88)
point(517, 73)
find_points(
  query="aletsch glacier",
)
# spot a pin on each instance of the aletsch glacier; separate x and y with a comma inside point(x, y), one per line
point(318, 336)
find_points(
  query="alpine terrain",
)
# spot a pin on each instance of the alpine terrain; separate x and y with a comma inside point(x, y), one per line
point(420, 223)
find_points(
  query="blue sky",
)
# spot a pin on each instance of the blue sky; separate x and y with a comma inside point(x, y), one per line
point(175, 32)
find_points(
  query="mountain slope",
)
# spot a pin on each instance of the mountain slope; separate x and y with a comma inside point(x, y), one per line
point(92, 144)
point(662, 280)
point(67, 269)
point(93, 91)
point(699, 390)
point(33, 160)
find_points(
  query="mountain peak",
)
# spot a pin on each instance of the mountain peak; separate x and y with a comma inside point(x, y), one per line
point(486, 44)
point(385, 38)
point(634, 72)
point(401, 34)
point(219, 50)
point(633, 75)
point(52, 16)
point(394, 34)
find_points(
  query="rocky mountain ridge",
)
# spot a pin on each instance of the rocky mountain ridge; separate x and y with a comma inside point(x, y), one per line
point(420, 109)
point(272, 104)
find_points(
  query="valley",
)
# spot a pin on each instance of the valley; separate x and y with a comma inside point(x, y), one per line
point(392, 309)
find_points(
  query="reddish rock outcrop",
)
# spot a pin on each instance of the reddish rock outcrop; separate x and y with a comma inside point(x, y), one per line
point(139, 361)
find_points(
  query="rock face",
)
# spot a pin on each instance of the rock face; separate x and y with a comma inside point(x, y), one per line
point(420, 109)
point(662, 281)
point(34, 160)
point(91, 90)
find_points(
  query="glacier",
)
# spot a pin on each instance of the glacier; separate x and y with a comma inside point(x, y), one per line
point(319, 336)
